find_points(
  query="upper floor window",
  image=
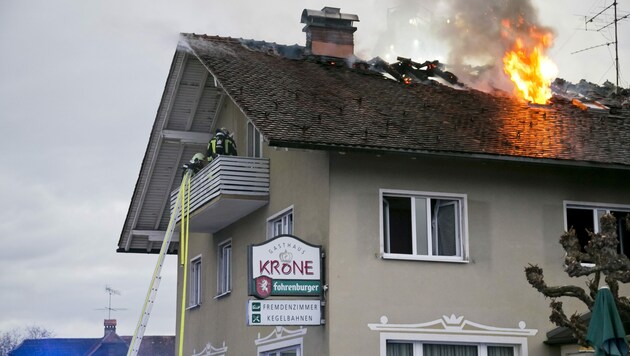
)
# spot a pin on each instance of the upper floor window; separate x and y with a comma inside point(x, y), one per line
point(423, 226)
point(194, 292)
point(224, 268)
point(254, 141)
point(584, 217)
point(281, 223)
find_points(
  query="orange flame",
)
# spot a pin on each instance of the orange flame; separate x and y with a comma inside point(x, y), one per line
point(526, 64)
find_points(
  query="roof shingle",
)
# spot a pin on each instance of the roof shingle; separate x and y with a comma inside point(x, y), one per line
point(302, 102)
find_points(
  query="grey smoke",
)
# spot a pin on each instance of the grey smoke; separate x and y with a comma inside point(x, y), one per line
point(463, 32)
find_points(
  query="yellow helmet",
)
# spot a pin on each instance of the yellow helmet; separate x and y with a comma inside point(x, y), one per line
point(198, 157)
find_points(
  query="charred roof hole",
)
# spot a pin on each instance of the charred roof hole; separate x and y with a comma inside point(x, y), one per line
point(304, 128)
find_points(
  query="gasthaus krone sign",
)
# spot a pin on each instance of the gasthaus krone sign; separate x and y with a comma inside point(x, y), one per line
point(285, 266)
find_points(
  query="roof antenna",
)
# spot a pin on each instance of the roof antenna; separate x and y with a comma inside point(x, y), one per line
point(616, 41)
point(109, 290)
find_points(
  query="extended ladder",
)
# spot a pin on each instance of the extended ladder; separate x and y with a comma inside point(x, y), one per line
point(157, 273)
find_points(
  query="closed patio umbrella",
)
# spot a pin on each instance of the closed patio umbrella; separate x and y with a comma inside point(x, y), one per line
point(605, 330)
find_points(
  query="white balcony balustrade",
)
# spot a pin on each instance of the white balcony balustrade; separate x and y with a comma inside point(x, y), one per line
point(226, 190)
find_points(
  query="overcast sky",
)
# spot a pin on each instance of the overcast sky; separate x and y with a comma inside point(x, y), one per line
point(80, 83)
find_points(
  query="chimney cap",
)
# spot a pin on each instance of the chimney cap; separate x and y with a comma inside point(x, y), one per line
point(109, 322)
point(327, 13)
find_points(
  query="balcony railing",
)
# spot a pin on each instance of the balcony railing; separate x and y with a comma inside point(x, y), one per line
point(226, 190)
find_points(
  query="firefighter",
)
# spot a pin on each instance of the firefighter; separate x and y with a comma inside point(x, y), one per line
point(230, 145)
point(221, 144)
point(196, 163)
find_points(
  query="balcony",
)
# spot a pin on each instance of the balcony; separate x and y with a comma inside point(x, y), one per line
point(226, 190)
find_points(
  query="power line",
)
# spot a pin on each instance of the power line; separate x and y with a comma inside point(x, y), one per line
point(586, 49)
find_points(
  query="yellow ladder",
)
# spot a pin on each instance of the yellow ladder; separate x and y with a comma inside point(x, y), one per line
point(182, 204)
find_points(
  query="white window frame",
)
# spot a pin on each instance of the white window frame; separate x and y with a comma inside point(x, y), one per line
point(283, 219)
point(462, 231)
point(254, 141)
point(224, 268)
point(275, 352)
point(596, 208)
point(195, 286)
point(482, 347)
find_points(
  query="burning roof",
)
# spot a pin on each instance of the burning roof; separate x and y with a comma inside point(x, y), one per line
point(299, 100)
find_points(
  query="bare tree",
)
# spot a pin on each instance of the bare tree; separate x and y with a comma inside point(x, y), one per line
point(599, 259)
point(11, 339)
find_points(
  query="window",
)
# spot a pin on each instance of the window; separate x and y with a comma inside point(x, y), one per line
point(288, 351)
point(584, 217)
point(442, 349)
point(254, 141)
point(194, 292)
point(224, 270)
point(423, 226)
point(281, 223)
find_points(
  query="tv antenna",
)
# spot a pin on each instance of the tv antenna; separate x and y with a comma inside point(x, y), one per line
point(111, 291)
point(615, 42)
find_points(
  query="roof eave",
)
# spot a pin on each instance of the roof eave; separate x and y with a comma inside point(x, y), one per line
point(416, 152)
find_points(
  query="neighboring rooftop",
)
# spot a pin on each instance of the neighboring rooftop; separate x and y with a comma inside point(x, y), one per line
point(109, 345)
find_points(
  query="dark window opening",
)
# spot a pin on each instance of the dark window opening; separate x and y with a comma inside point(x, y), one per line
point(399, 213)
point(582, 221)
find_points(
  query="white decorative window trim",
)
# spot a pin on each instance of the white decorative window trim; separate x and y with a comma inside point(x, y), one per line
point(280, 338)
point(210, 350)
point(453, 329)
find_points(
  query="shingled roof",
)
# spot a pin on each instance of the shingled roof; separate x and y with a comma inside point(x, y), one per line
point(320, 103)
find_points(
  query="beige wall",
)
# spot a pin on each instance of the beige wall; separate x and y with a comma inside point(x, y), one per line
point(515, 213)
point(300, 178)
point(515, 217)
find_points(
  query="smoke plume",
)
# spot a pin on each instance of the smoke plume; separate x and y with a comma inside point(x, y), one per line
point(470, 35)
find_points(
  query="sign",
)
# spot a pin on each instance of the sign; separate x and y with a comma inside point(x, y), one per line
point(285, 266)
point(283, 312)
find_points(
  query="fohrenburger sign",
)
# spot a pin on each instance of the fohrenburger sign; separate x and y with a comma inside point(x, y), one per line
point(284, 265)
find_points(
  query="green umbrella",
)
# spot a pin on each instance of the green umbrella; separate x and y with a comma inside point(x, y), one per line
point(605, 330)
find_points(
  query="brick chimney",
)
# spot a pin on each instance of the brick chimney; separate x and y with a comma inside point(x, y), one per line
point(110, 326)
point(329, 32)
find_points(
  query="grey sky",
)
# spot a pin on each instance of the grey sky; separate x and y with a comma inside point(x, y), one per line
point(80, 83)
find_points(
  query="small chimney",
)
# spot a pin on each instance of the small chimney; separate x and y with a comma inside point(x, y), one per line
point(329, 32)
point(110, 326)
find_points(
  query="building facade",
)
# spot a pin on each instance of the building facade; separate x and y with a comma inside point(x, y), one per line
point(427, 201)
